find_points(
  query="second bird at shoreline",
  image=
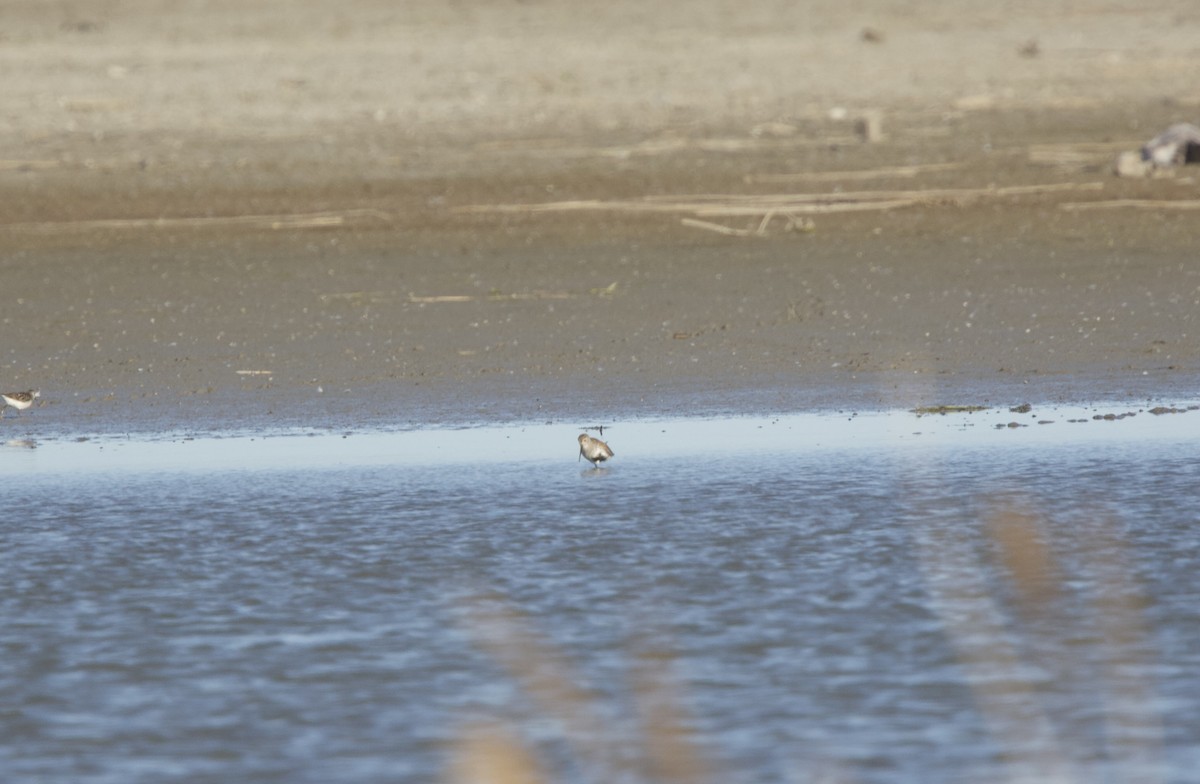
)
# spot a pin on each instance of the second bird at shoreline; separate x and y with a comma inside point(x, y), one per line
point(19, 400)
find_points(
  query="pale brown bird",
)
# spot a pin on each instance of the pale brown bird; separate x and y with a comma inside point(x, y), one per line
point(19, 400)
point(595, 450)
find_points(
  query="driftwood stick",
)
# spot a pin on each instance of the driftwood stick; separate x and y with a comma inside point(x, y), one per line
point(756, 204)
point(804, 209)
point(296, 221)
point(865, 174)
point(1149, 204)
point(766, 219)
point(717, 227)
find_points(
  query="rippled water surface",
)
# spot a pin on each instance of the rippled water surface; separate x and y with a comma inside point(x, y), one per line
point(881, 598)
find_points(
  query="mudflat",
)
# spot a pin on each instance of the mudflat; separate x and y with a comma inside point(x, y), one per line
point(362, 215)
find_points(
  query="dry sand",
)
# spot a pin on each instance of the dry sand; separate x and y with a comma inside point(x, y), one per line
point(218, 214)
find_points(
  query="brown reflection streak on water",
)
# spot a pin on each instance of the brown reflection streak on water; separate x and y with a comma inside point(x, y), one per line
point(1024, 556)
point(491, 754)
point(668, 752)
point(1026, 640)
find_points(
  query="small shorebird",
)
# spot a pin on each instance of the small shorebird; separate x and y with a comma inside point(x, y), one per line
point(595, 450)
point(19, 400)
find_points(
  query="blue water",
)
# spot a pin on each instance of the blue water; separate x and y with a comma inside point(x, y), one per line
point(872, 600)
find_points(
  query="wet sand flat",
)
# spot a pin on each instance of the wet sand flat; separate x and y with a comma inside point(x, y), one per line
point(218, 217)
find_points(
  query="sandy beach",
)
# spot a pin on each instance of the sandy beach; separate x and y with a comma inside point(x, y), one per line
point(367, 214)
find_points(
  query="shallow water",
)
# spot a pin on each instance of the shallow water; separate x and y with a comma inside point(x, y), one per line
point(865, 598)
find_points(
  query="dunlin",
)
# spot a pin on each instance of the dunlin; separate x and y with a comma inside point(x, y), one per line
point(19, 400)
point(595, 450)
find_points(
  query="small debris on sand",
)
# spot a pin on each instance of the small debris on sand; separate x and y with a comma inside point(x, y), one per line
point(1174, 147)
